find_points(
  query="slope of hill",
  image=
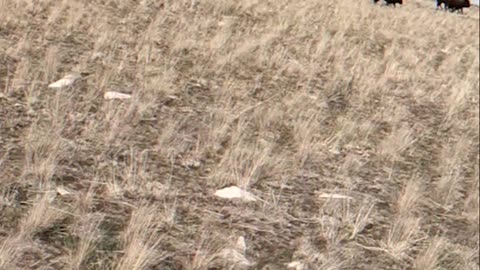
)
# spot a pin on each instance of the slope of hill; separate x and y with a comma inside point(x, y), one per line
point(356, 127)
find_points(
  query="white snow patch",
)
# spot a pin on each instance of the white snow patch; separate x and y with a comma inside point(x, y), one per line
point(116, 95)
point(334, 196)
point(235, 192)
point(62, 191)
point(296, 265)
point(241, 245)
point(64, 82)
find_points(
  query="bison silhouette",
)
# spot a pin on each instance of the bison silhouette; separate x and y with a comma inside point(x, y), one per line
point(453, 5)
point(457, 5)
point(390, 2)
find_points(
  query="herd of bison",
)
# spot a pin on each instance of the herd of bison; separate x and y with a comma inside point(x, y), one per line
point(451, 5)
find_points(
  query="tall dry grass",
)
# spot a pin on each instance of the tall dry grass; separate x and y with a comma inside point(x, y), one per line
point(287, 99)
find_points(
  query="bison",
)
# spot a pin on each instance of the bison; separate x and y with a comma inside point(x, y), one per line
point(456, 5)
point(390, 2)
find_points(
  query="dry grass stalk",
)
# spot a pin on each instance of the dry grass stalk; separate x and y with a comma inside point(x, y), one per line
point(140, 240)
point(430, 258)
point(88, 233)
point(40, 216)
point(409, 198)
point(401, 237)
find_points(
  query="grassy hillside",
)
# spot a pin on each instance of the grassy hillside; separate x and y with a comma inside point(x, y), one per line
point(355, 125)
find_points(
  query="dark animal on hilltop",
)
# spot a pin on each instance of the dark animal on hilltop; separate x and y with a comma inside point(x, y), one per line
point(390, 2)
point(456, 5)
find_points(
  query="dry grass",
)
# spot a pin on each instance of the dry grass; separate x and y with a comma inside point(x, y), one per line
point(376, 106)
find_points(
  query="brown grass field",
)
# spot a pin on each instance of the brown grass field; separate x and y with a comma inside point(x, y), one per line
point(376, 106)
